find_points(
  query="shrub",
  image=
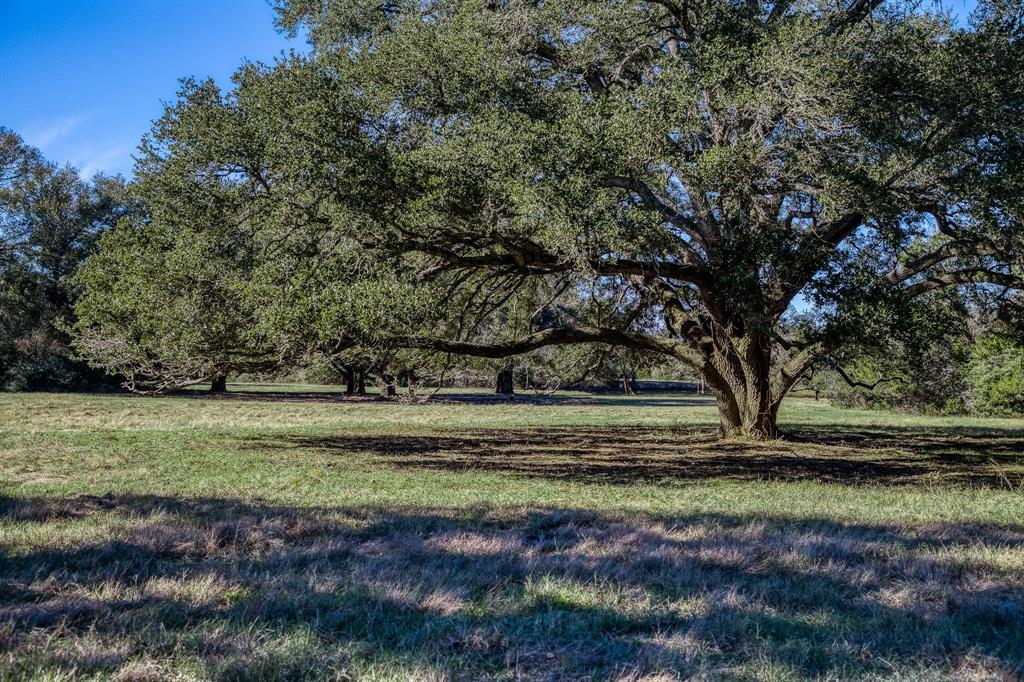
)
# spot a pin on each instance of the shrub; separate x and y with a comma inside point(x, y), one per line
point(995, 375)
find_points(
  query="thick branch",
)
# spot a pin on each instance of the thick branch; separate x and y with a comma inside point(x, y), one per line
point(548, 337)
point(651, 201)
point(541, 262)
point(947, 251)
point(957, 277)
point(683, 272)
point(828, 236)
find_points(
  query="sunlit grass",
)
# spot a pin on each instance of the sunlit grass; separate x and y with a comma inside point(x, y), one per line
point(302, 536)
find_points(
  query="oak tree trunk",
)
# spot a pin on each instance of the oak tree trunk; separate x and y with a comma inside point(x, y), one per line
point(350, 379)
point(740, 378)
point(219, 384)
point(388, 387)
point(750, 419)
point(503, 385)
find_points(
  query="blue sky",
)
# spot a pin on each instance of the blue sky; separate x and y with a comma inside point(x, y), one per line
point(83, 79)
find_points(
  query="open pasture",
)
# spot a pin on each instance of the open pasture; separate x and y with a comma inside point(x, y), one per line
point(288, 534)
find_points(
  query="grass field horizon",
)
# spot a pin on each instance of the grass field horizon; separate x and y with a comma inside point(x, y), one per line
point(295, 536)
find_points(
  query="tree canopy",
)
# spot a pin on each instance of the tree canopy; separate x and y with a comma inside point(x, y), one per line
point(749, 188)
point(49, 221)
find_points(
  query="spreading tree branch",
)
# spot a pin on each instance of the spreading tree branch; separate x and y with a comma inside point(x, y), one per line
point(957, 277)
point(549, 337)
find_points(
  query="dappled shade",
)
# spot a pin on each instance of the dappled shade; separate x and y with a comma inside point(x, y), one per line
point(624, 455)
point(255, 590)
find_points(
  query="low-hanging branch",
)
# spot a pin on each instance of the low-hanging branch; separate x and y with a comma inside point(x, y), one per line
point(853, 383)
point(549, 337)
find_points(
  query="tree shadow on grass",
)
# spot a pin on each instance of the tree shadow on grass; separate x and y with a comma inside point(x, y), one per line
point(277, 396)
point(661, 398)
point(624, 455)
point(231, 589)
point(963, 442)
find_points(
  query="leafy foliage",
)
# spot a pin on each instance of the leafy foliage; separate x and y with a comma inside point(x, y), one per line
point(996, 375)
point(448, 175)
point(49, 222)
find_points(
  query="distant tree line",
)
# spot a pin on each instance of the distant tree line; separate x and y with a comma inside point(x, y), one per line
point(975, 365)
point(50, 220)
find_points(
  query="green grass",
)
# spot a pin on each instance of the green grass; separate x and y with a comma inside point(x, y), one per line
point(289, 534)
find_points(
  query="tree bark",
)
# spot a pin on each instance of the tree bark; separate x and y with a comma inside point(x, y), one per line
point(503, 385)
point(388, 387)
point(219, 384)
point(350, 379)
point(355, 380)
point(747, 387)
point(750, 420)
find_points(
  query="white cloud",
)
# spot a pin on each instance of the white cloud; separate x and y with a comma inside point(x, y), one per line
point(55, 131)
point(111, 160)
point(83, 142)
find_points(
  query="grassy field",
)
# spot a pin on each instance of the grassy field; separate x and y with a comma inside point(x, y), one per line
point(288, 534)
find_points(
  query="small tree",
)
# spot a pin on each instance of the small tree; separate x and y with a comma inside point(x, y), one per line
point(167, 298)
point(161, 310)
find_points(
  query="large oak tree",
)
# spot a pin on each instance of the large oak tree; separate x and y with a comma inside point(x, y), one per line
point(720, 159)
point(694, 172)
